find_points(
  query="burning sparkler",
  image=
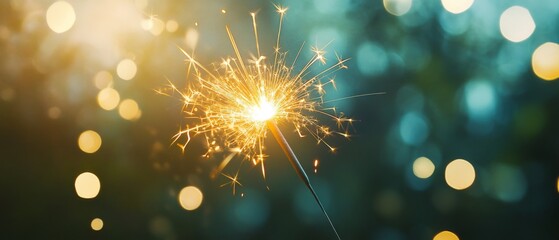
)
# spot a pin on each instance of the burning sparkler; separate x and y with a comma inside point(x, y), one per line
point(234, 104)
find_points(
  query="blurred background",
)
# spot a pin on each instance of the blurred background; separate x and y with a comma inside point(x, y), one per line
point(461, 145)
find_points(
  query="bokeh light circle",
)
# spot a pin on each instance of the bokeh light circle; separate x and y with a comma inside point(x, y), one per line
point(172, 26)
point(460, 174)
point(87, 185)
point(126, 69)
point(516, 24)
point(397, 7)
point(457, 6)
point(60, 16)
point(423, 167)
point(97, 224)
point(103, 79)
point(89, 141)
point(108, 98)
point(446, 235)
point(190, 198)
point(129, 110)
point(545, 61)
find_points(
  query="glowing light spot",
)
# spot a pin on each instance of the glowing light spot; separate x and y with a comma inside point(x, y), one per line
point(457, 6)
point(517, 24)
point(557, 184)
point(264, 111)
point(103, 79)
point(315, 165)
point(126, 69)
point(191, 38)
point(129, 110)
point(223, 11)
point(108, 98)
point(87, 185)
point(97, 224)
point(446, 235)
point(481, 101)
point(423, 167)
point(413, 128)
point(459, 174)
point(60, 16)
point(397, 7)
point(190, 198)
point(545, 61)
point(89, 141)
point(158, 26)
point(147, 24)
point(172, 26)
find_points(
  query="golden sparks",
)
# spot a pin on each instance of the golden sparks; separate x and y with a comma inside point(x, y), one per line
point(231, 102)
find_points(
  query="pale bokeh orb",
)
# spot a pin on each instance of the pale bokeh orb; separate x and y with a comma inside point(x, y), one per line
point(190, 198)
point(97, 224)
point(460, 174)
point(172, 26)
point(103, 79)
point(129, 110)
point(191, 38)
point(516, 24)
point(126, 69)
point(108, 98)
point(60, 16)
point(89, 141)
point(87, 185)
point(457, 6)
point(397, 7)
point(423, 167)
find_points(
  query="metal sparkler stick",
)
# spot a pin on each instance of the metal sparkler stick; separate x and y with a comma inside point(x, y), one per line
point(297, 166)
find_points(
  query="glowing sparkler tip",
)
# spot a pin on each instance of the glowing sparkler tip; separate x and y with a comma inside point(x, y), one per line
point(280, 9)
point(264, 111)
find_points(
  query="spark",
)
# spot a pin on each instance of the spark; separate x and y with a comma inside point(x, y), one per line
point(237, 101)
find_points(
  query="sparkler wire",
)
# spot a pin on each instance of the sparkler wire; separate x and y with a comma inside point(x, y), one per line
point(297, 166)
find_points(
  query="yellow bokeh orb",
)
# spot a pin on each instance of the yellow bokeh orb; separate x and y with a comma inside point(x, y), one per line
point(460, 174)
point(108, 98)
point(446, 235)
point(97, 224)
point(545, 61)
point(126, 69)
point(89, 141)
point(172, 26)
point(60, 16)
point(423, 167)
point(87, 185)
point(190, 198)
point(129, 110)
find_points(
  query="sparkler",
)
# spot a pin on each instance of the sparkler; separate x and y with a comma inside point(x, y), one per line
point(235, 103)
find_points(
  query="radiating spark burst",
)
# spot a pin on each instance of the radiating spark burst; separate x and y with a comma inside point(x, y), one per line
point(235, 103)
point(232, 101)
